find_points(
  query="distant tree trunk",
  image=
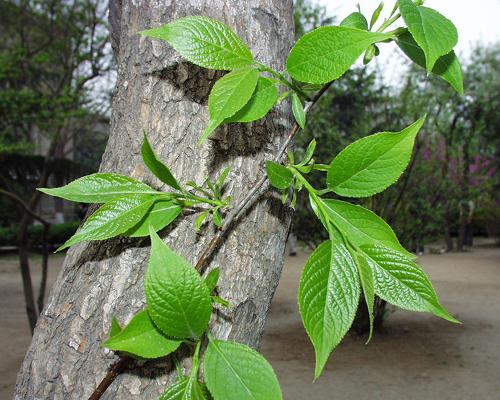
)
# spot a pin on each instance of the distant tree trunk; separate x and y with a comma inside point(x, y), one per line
point(161, 94)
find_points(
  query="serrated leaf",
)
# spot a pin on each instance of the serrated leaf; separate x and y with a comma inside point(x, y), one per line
point(447, 67)
point(178, 299)
point(279, 176)
point(366, 279)
point(376, 14)
point(326, 53)
point(186, 389)
point(229, 95)
point(162, 214)
point(434, 33)
point(262, 100)
point(157, 167)
point(402, 282)
point(142, 338)
point(205, 42)
point(298, 111)
point(234, 371)
point(212, 278)
point(113, 218)
point(328, 297)
point(99, 188)
point(362, 226)
point(371, 164)
point(355, 20)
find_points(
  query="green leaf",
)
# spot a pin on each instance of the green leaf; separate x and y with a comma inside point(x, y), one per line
point(234, 371)
point(112, 219)
point(402, 282)
point(229, 95)
point(115, 328)
point(205, 42)
point(200, 219)
point(162, 214)
point(447, 67)
point(355, 20)
point(263, 99)
point(221, 301)
point(376, 14)
point(159, 169)
point(298, 111)
point(435, 34)
point(366, 279)
point(222, 178)
point(142, 339)
point(308, 155)
point(362, 226)
point(212, 278)
point(178, 299)
point(328, 297)
point(371, 164)
point(99, 188)
point(186, 389)
point(217, 218)
point(326, 53)
point(279, 176)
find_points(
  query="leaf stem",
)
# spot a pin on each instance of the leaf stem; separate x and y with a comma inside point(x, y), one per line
point(389, 22)
point(285, 81)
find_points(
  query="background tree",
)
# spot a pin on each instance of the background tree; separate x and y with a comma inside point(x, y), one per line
point(50, 55)
point(161, 94)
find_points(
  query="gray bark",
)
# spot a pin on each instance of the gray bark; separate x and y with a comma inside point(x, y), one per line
point(158, 92)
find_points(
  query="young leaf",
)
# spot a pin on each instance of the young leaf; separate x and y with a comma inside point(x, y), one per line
point(200, 219)
point(163, 213)
point(205, 42)
point(355, 20)
point(376, 14)
point(325, 53)
point(328, 297)
point(362, 226)
point(115, 328)
point(217, 218)
point(159, 169)
point(263, 99)
point(222, 178)
point(447, 67)
point(402, 282)
point(99, 188)
point(229, 95)
point(366, 279)
point(112, 219)
point(298, 111)
point(178, 299)
point(371, 164)
point(435, 34)
point(311, 147)
point(234, 371)
point(279, 176)
point(142, 338)
point(221, 301)
point(212, 278)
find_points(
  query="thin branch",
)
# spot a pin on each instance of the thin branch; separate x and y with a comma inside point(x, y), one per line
point(19, 201)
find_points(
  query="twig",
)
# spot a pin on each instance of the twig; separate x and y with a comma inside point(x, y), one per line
point(250, 199)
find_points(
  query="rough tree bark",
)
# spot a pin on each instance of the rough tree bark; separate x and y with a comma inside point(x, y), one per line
point(159, 92)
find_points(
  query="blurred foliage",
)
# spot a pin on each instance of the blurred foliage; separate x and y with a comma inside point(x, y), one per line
point(57, 235)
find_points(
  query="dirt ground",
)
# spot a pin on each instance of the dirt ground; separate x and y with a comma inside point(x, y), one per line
point(416, 357)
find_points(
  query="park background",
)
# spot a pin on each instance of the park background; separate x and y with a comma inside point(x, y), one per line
point(55, 100)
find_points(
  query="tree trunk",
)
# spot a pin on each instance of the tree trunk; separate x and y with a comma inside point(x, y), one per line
point(165, 96)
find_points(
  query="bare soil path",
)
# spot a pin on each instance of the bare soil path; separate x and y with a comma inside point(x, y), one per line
point(416, 357)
